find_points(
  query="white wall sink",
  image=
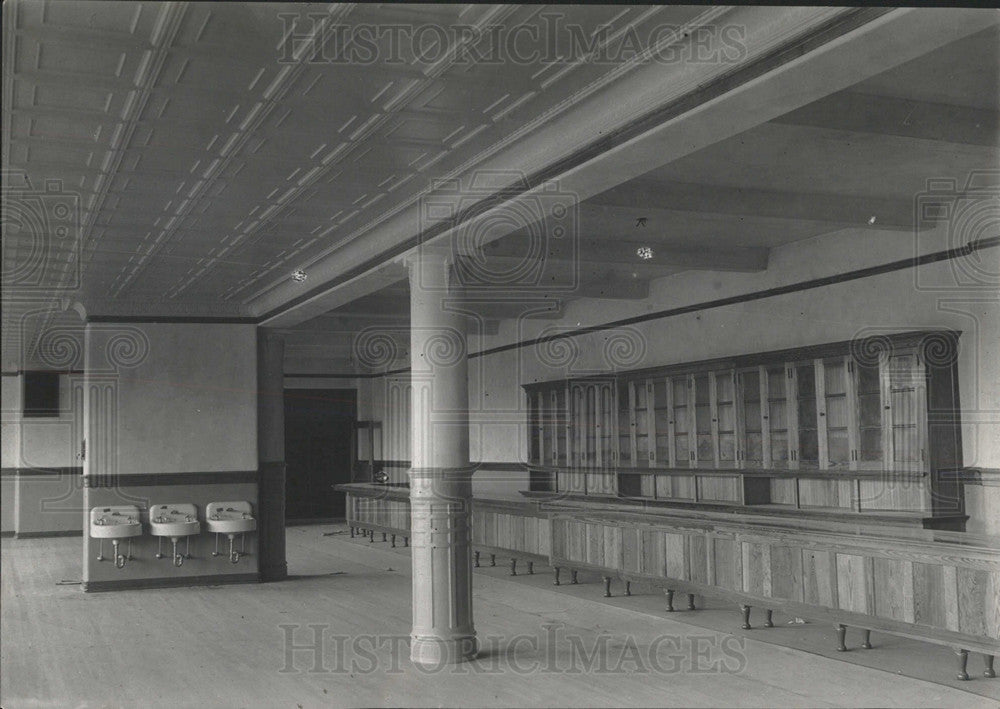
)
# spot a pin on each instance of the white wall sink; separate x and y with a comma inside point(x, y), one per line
point(116, 522)
point(177, 520)
point(230, 517)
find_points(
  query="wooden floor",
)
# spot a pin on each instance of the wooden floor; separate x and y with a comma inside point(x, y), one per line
point(225, 647)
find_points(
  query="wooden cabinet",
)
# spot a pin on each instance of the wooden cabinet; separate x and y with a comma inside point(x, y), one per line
point(841, 427)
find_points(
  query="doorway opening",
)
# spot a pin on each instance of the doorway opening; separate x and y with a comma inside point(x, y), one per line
point(319, 452)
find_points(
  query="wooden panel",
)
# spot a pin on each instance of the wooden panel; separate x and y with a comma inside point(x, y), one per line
point(676, 556)
point(907, 494)
point(682, 486)
point(631, 548)
point(595, 544)
point(928, 595)
point(612, 547)
point(647, 486)
point(725, 560)
point(819, 578)
point(786, 572)
point(973, 591)
point(824, 493)
point(719, 488)
point(894, 589)
point(852, 583)
point(698, 556)
point(756, 568)
point(651, 561)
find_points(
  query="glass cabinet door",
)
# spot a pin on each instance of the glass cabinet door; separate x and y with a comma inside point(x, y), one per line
point(907, 401)
point(724, 418)
point(681, 421)
point(835, 414)
point(534, 429)
point(605, 415)
point(806, 416)
point(661, 422)
point(704, 441)
point(625, 424)
point(641, 413)
point(777, 416)
point(869, 454)
point(547, 430)
point(750, 419)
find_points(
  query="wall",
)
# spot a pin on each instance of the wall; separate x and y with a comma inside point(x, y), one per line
point(42, 490)
point(946, 294)
point(170, 417)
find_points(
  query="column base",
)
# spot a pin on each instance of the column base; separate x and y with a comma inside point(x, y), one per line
point(431, 650)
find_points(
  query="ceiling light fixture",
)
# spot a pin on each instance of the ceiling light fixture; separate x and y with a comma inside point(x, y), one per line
point(871, 219)
point(644, 252)
point(299, 276)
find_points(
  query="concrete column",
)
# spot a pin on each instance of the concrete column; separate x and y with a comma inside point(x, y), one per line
point(441, 478)
point(271, 454)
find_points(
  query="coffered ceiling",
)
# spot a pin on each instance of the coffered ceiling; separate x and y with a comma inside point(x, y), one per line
point(196, 154)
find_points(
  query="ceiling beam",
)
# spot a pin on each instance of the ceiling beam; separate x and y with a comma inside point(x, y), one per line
point(597, 255)
point(888, 115)
point(643, 195)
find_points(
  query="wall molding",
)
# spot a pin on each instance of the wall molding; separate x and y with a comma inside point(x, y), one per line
point(56, 533)
point(974, 475)
point(480, 465)
point(40, 472)
point(223, 477)
point(168, 582)
point(175, 319)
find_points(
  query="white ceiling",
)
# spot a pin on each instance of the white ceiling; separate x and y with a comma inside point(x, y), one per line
point(206, 164)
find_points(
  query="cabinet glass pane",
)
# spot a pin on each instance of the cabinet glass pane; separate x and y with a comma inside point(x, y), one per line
point(837, 418)
point(533, 432)
point(703, 420)
point(869, 415)
point(661, 422)
point(753, 443)
point(808, 435)
point(725, 408)
point(905, 391)
point(547, 428)
point(560, 421)
point(679, 388)
point(624, 426)
point(641, 425)
point(777, 415)
point(605, 432)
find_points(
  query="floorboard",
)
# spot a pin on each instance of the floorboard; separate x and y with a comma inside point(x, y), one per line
point(224, 646)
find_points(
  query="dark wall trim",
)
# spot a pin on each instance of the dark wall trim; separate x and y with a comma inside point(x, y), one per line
point(25, 472)
point(289, 375)
point(168, 582)
point(9, 374)
point(987, 477)
point(188, 320)
point(481, 465)
point(226, 477)
point(41, 535)
point(778, 57)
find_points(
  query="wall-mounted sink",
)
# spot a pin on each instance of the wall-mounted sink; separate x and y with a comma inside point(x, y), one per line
point(230, 517)
point(119, 522)
point(174, 521)
point(115, 523)
point(177, 520)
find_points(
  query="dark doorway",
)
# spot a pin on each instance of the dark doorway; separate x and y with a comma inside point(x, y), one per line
point(319, 426)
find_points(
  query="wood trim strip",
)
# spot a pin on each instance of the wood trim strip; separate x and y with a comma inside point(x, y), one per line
point(987, 477)
point(182, 319)
point(29, 472)
point(168, 582)
point(56, 533)
point(225, 477)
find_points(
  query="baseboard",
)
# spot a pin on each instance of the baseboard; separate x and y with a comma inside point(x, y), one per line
point(41, 535)
point(6, 535)
point(316, 520)
point(167, 582)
